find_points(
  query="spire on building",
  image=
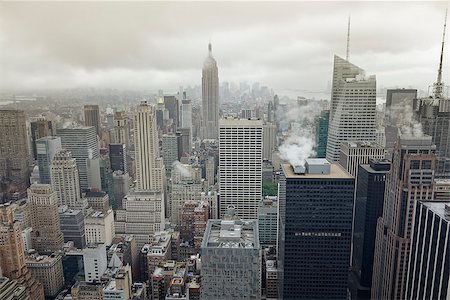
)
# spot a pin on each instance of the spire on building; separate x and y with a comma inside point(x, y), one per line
point(209, 48)
point(439, 85)
point(348, 39)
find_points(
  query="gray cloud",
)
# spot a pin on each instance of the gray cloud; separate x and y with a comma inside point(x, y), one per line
point(151, 45)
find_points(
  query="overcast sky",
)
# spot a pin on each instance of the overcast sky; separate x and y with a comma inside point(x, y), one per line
point(153, 45)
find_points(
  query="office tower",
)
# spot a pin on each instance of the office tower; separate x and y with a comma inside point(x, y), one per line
point(353, 107)
point(118, 157)
point(39, 129)
point(368, 208)
point(210, 171)
point(121, 129)
point(172, 106)
point(83, 290)
point(194, 216)
point(268, 221)
point(186, 114)
point(212, 197)
point(124, 247)
point(355, 153)
point(97, 199)
point(150, 173)
point(26, 238)
point(185, 144)
point(11, 290)
point(93, 173)
point(142, 215)
point(92, 117)
point(185, 184)
point(235, 242)
point(95, 263)
point(107, 180)
point(14, 156)
point(72, 226)
point(48, 270)
point(121, 186)
point(46, 148)
point(240, 166)
point(12, 256)
point(315, 210)
point(82, 143)
point(398, 100)
point(99, 227)
point(429, 265)
point(409, 181)
point(246, 113)
point(65, 180)
point(169, 151)
point(210, 98)
point(119, 287)
point(44, 218)
point(269, 140)
point(322, 133)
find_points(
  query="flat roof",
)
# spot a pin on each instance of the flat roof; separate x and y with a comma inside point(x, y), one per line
point(240, 122)
point(336, 172)
point(438, 208)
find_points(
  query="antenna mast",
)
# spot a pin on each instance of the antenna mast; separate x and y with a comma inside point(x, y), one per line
point(438, 86)
point(348, 39)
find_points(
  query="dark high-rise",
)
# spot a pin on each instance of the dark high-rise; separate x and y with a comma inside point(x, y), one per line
point(92, 117)
point(171, 104)
point(316, 207)
point(118, 157)
point(322, 133)
point(39, 129)
point(368, 208)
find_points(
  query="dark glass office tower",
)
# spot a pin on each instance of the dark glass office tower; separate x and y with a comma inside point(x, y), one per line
point(118, 157)
point(316, 208)
point(368, 208)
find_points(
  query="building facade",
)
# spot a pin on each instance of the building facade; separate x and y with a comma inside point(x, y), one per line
point(39, 129)
point(92, 117)
point(48, 270)
point(46, 149)
point(99, 227)
point(210, 97)
point(354, 154)
point(72, 226)
point(322, 133)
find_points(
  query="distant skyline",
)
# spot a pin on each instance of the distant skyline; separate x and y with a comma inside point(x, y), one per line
point(288, 46)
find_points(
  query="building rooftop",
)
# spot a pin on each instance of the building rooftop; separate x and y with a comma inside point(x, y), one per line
point(442, 209)
point(231, 234)
point(231, 122)
point(336, 172)
point(360, 144)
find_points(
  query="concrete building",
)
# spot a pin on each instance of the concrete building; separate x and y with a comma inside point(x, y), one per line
point(169, 151)
point(26, 238)
point(46, 148)
point(120, 287)
point(65, 180)
point(212, 197)
point(121, 186)
point(186, 114)
point(118, 157)
point(99, 227)
point(12, 256)
point(11, 290)
point(92, 117)
point(173, 107)
point(14, 156)
point(94, 178)
point(83, 290)
point(268, 221)
point(231, 251)
point(269, 140)
point(322, 133)
point(95, 262)
point(315, 211)
point(142, 215)
point(48, 270)
point(39, 129)
point(121, 129)
point(369, 201)
point(44, 219)
point(210, 98)
point(410, 180)
point(240, 166)
point(353, 107)
point(210, 171)
point(194, 217)
point(429, 272)
point(150, 172)
point(158, 250)
point(72, 226)
point(272, 280)
point(125, 248)
point(82, 142)
point(354, 154)
point(98, 200)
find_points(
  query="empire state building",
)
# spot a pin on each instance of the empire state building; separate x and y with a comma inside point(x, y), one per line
point(210, 98)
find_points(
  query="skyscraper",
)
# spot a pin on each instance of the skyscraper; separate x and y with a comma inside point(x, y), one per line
point(353, 154)
point(118, 157)
point(13, 148)
point(169, 149)
point(65, 180)
point(315, 211)
point(39, 129)
point(368, 208)
point(429, 265)
point(240, 166)
point(353, 107)
point(121, 129)
point(150, 172)
point(82, 142)
point(269, 140)
point(409, 181)
point(186, 114)
point(12, 255)
point(210, 97)
point(172, 106)
point(92, 117)
point(46, 149)
point(322, 133)
point(44, 219)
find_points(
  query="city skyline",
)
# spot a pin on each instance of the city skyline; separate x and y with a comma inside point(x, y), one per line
point(298, 38)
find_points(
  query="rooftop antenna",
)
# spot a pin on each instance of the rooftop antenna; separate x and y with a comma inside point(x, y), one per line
point(209, 47)
point(439, 86)
point(348, 38)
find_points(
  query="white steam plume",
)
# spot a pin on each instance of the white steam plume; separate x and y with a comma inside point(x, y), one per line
point(181, 169)
point(401, 115)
